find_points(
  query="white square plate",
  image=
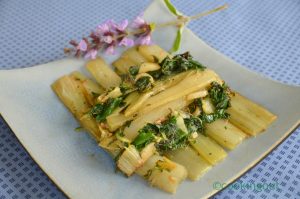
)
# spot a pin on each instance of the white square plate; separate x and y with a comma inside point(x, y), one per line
point(82, 170)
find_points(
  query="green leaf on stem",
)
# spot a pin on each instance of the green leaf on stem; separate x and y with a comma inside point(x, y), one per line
point(171, 7)
point(177, 41)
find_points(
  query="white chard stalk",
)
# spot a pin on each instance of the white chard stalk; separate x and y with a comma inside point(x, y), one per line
point(225, 134)
point(208, 149)
point(195, 165)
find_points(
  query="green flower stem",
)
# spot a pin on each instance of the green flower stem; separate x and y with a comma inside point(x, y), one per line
point(203, 14)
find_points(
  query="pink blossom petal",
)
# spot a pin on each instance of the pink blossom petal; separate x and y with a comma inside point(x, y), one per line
point(110, 50)
point(107, 39)
point(138, 21)
point(91, 54)
point(82, 46)
point(123, 25)
point(105, 27)
point(110, 23)
point(145, 40)
point(126, 42)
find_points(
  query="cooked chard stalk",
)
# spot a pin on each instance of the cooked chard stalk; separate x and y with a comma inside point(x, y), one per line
point(225, 134)
point(163, 173)
point(133, 55)
point(208, 149)
point(132, 131)
point(140, 75)
point(123, 64)
point(147, 151)
point(116, 92)
point(148, 66)
point(195, 165)
point(148, 165)
point(112, 145)
point(104, 130)
point(249, 116)
point(131, 159)
point(118, 119)
point(197, 81)
point(159, 86)
point(90, 88)
point(103, 74)
point(127, 101)
point(207, 105)
point(167, 175)
point(152, 53)
point(71, 94)
point(88, 123)
point(115, 121)
point(134, 107)
point(180, 121)
point(197, 94)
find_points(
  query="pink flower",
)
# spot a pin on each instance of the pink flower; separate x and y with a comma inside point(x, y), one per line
point(109, 35)
point(122, 26)
point(144, 40)
point(107, 38)
point(91, 54)
point(122, 36)
point(105, 27)
point(143, 37)
point(82, 46)
point(110, 50)
point(138, 21)
point(126, 42)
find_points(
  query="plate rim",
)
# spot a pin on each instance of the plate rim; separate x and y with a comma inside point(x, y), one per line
point(211, 193)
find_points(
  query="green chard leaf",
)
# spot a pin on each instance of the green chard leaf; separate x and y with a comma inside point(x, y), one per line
point(168, 66)
point(134, 70)
point(143, 83)
point(101, 111)
point(171, 7)
point(219, 95)
point(146, 136)
point(219, 114)
point(197, 103)
point(175, 138)
point(194, 124)
point(179, 63)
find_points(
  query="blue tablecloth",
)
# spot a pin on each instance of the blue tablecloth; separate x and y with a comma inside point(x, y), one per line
point(261, 35)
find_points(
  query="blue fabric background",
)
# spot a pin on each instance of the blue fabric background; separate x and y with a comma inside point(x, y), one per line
point(261, 35)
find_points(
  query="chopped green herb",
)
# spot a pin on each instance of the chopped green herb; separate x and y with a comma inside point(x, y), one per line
point(156, 74)
point(175, 137)
point(145, 136)
point(196, 103)
point(134, 70)
point(78, 129)
point(168, 66)
point(219, 95)
point(143, 83)
point(101, 111)
point(179, 63)
point(218, 114)
point(194, 124)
